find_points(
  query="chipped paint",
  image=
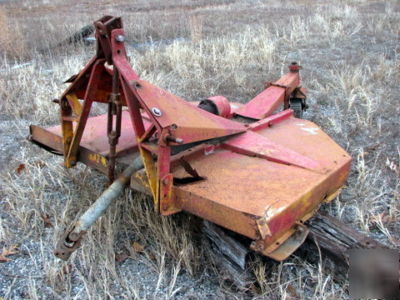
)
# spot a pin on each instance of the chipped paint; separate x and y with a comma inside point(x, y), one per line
point(311, 130)
point(209, 150)
point(97, 158)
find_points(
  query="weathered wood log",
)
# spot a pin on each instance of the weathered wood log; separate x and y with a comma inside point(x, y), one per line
point(228, 254)
point(78, 36)
point(336, 238)
point(226, 244)
point(333, 237)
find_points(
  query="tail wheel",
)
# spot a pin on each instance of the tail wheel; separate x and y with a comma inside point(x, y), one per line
point(297, 107)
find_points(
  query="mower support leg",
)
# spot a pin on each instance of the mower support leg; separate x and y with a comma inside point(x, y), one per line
point(71, 158)
point(94, 81)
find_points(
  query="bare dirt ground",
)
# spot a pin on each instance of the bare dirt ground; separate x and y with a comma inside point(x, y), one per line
point(350, 53)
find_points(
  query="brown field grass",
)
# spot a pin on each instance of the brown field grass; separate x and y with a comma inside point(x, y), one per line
point(350, 53)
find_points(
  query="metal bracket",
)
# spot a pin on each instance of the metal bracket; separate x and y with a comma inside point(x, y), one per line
point(68, 243)
point(167, 203)
point(263, 227)
point(288, 245)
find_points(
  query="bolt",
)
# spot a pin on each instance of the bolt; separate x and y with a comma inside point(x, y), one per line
point(156, 111)
point(178, 140)
point(294, 67)
point(120, 38)
point(165, 206)
point(169, 138)
point(135, 84)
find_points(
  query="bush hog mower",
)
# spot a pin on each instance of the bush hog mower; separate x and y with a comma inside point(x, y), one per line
point(245, 167)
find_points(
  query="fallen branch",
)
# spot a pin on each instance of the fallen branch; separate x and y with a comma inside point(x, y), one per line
point(78, 36)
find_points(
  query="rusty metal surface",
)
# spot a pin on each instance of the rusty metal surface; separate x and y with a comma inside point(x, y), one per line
point(289, 245)
point(269, 180)
point(192, 123)
point(256, 188)
point(93, 84)
point(275, 94)
point(95, 135)
point(114, 119)
point(256, 145)
point(53, 141)
point(223, 106)
point(279, 193)
point(254, 172)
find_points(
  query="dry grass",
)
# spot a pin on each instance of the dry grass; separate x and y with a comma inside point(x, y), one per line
point(196, 27)
point(351, 62)
point(12, 42)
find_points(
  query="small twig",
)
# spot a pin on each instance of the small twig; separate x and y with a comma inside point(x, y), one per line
point(19, 276)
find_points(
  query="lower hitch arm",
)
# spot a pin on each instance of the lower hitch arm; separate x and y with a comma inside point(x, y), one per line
point(71, 239)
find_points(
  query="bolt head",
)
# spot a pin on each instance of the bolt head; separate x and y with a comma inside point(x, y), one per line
point(156, 111)
point(178, 140)
point(135, 84)
point(120, 38)
point(165, 206)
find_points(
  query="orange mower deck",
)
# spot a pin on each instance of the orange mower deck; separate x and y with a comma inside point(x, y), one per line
point(264, 200)
point(248, 168)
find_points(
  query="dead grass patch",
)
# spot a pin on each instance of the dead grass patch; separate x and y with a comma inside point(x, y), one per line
point(12, 42)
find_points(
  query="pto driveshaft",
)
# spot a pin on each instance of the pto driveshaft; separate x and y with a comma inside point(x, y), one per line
point(71, 240)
